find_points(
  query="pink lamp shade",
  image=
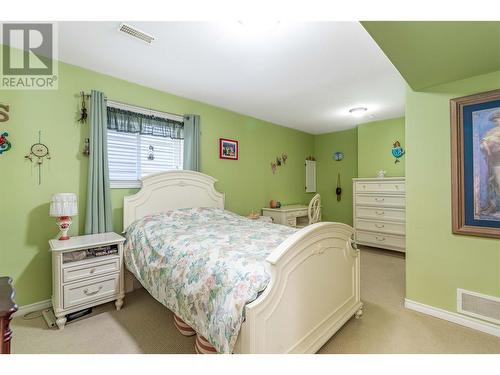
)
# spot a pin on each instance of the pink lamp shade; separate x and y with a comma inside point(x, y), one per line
point(63, 206)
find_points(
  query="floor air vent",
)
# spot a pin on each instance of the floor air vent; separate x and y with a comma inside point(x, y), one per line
point(136, 33)
point(478, 305)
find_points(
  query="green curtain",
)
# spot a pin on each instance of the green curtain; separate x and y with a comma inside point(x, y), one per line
point(192, 142)
point(98, 215)
point(132, 122)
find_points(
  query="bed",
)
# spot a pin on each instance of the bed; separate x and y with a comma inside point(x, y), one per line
point(294, 288)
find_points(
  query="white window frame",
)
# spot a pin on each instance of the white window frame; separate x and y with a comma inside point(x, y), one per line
point(132, 184)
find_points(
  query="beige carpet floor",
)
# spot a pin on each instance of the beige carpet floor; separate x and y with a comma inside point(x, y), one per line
point(145, 326)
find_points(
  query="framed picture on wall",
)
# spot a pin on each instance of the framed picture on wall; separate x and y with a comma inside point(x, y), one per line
point(228, 149)
point(475, 164)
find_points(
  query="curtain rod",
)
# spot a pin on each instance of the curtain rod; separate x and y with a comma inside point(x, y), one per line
point(132, 105)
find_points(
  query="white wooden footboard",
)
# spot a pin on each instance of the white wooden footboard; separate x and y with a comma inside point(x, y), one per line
point(314, 290)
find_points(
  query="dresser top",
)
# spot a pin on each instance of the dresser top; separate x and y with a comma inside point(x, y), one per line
point(88, 240)
point(291, 207)
point(379, 179)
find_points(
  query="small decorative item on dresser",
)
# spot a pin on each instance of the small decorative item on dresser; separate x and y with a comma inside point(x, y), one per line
point(381, 173)
point(7, 308)
point(63, 206)
point(86, 271)
point(273, 204)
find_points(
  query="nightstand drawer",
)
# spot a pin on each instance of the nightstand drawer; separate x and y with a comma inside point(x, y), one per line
point(90, 290)
point(91, 269)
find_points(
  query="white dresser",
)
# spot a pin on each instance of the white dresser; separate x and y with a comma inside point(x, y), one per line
point(379, 212)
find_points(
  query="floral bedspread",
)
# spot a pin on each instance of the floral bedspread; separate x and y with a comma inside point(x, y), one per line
point(205, 265)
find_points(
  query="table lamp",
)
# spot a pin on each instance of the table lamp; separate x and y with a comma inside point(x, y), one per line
point(63, 206)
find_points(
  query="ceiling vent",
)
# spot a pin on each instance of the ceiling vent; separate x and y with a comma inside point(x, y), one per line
point(136, 33)
point(478, 305)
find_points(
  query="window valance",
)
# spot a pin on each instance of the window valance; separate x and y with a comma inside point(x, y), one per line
point(132, 122)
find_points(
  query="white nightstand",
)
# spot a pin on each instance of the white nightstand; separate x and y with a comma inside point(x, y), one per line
point(86, 271)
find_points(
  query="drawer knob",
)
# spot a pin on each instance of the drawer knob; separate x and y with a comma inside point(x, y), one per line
point(380, 213)
point(92, 270)
point(379, 225)
point(380, 199)
point(87, 293)
point(380, 238)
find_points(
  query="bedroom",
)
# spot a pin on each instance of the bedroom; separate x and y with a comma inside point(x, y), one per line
point(265, 95)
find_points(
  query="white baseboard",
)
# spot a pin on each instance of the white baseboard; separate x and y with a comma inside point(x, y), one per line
point(26, 309)
point(466, 321)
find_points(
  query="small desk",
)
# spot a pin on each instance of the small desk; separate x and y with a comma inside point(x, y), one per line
point(293, 215)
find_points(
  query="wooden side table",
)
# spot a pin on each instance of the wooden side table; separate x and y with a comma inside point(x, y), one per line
point(7, 308)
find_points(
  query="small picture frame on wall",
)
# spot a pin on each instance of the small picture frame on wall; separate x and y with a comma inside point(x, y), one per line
point(228, 149)
point(475, 164)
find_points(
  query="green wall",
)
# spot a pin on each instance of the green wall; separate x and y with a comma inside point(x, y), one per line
point(327, 169)
point(25, 225)
point(438, 262)
point(375, 141)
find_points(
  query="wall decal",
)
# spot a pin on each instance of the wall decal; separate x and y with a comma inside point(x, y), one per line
point(280, 160)
point(39, 152)
point(4, 112)
point(5, 145)
point(397, 151)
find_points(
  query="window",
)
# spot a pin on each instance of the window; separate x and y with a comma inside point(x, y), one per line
point(132, 155)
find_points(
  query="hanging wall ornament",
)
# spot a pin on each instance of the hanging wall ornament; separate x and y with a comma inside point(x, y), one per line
point(151, 153)
point(284, 157)
point(273, 167)
point(38, 152)
point(83, 110)
point(86, 147)
point(338, 156)
point(5, 145)
point(338, 190)
point(397, 151)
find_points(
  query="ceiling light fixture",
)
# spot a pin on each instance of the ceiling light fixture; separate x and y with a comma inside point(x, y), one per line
point(358, 112)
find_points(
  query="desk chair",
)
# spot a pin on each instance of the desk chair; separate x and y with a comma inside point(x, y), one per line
point(314, 209)
point(313, 212)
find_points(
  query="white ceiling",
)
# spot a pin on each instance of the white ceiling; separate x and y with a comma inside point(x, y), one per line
point(303, 75)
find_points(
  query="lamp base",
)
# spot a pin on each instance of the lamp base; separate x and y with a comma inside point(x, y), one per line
point(64, 222)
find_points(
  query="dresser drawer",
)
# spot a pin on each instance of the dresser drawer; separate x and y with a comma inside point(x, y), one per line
point(381, 200)
point(380, 240)
point(381, 226)
point(380, 186)
point(293, 214)
point(90, 290)
point(382, 213)
point(91, 269)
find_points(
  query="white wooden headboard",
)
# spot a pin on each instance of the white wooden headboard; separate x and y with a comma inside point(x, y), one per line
point(171, 190)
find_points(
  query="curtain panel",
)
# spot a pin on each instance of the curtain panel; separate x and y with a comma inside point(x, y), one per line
point(98, 217)
point(192, 135)
point(131, 122)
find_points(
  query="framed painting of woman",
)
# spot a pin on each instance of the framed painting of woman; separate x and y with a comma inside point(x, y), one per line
point(475, 164)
